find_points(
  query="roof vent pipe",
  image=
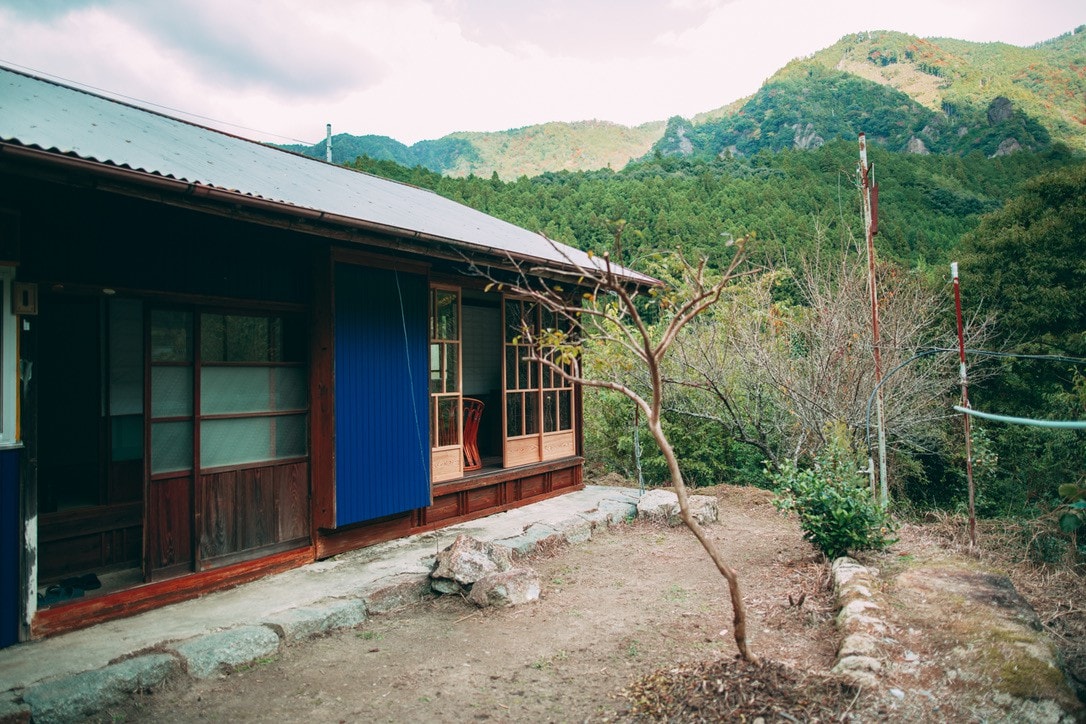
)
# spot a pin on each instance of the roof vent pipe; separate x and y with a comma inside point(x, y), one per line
point(328, 143)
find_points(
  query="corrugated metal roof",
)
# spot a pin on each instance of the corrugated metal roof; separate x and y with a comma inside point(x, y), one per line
point(45, 115)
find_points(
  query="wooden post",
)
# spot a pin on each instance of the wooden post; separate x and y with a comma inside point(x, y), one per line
point(965, 404)
point(869, 192)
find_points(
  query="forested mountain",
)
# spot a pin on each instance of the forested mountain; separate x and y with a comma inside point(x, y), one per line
point(910, 94)
point(518, 152)
point(789, 200)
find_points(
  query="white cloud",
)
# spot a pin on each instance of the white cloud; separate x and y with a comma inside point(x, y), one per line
point(414, 69)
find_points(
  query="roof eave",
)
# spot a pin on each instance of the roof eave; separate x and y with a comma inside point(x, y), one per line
point(197, 190)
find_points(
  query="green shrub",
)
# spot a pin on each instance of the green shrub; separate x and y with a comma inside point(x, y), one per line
point(836, 509)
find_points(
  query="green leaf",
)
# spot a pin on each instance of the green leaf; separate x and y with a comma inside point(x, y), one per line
point(1069, 522)
point(1068, 490)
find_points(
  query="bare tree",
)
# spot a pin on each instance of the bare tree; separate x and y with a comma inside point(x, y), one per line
point(775, 373)
point(611, 313)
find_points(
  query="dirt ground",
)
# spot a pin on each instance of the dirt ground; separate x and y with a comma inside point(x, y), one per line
point(638, 613)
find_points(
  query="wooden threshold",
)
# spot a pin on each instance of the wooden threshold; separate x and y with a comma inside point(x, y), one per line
point(81, 613)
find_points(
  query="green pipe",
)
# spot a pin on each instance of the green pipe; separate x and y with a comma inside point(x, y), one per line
point(1061, 424)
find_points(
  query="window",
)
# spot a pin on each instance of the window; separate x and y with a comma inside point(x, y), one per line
point(446, 422)
point(251, 402)
point(253, 389)
point(538, 399)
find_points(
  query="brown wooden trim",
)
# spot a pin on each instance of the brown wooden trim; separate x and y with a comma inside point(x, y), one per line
point(322, 429)
point(293, 364)
point(210, 564)
point(379, 261)
point(253, 465)
point(334, 542)
point(85, 612)
point(171, 474)
point(490, 477)
point(293, 412)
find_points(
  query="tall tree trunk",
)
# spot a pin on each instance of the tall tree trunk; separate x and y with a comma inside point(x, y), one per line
point(739, 611)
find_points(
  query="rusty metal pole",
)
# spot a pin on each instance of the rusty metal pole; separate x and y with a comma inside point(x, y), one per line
point(965, 404)
point(870, 195)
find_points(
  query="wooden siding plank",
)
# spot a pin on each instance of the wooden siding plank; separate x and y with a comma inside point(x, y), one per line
point(292, 501)
point(219, 534)
point(169, 522)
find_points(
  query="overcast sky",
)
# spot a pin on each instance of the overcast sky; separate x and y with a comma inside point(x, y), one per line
point(279, 70)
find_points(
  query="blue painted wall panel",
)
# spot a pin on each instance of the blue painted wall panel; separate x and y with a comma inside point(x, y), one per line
point(382, 397)
point(10, 548)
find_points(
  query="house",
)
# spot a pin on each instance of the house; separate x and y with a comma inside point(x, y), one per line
point(220, 360)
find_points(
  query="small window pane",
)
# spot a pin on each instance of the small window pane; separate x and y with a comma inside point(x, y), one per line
point(452, 367)
point(126, 437)
point(565, 410)
point(171, 336)
point(291, 388)
point(251, 440)
point(524, 380)
point(171, 446)
point(446, 322)
point(514, 414)
point(248, 339)
point(171, 391)
point(550, 411)
point(511, 368)
point(448, 417)
point(235, 389)
point(436, 383)
point(213, 337)
point(291, 436)
point(531, 413)
point(512, 320)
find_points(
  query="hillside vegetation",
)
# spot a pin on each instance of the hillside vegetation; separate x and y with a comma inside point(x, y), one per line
point(919, 95)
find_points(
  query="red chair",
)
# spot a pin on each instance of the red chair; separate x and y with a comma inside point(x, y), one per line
point(473, 411)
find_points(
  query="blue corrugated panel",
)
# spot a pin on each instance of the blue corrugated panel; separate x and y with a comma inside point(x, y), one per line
point(10, 549)
point(382, 435)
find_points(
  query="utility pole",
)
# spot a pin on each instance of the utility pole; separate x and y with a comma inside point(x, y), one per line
point(869, 194)
point(328, 142)
point(965, 405)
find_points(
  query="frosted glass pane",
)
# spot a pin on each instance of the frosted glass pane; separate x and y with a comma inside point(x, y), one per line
point(251, 439)
point(171, 446)
point(235, 389)
point(252, 389)
point(291, 436)
point(230, 442)
point(171, 391)
point(125, 357)
point(291, 388)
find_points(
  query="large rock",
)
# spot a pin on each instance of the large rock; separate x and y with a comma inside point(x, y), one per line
point(467, 560)
point(663, 506)
point(208, 655)
point(295, 624)
point(72, 698)
point(507, 588)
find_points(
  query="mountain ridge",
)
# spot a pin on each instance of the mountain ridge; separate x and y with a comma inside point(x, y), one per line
point(912, 94)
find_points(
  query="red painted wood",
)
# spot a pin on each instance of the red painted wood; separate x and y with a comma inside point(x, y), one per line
point(86, 612)
point(321, 393)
